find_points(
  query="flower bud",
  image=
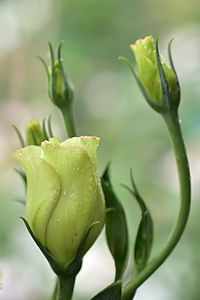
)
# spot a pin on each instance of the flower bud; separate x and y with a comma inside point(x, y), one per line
point(64, 194)
point(148, 71)
point(34, 133)
point(60, 91)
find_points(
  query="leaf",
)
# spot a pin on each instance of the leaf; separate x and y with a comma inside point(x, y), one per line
point(44, 129)
point(144, 237)
point(116, 227)
point(144, 241)
point(19, 136)
point(147, 98)
point(49, 127)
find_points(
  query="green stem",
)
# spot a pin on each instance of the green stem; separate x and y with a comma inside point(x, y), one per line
point(65, 288)
point(55, 291)
point(173, 126)
point(67, 114)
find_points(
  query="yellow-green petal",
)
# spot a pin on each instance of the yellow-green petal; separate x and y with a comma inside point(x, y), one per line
point(145, 55)
point(75, 209)
point(90, 144)
point(43, 190)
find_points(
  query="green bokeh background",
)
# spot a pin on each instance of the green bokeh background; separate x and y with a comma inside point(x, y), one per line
point(107, 104)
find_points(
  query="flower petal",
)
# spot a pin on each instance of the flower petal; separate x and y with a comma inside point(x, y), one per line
point(43, 190)
point(75, 209)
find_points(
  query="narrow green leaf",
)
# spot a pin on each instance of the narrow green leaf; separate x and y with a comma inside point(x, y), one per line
point(149, 101)
point(64, 77)
point(116, 227)
point(144, 237)
point(112, 292)
point(144, 241)
point(19, 136)
point(44, 129)
point(44, 64)
point(166, 91)
point(49, 127)
point(173, 68)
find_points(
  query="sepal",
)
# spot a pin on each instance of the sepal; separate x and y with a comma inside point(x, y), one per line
point(22, 142)
point(147, 98)
point(74, 267)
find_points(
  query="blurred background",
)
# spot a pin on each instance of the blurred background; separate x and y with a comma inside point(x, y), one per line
point(107, 104)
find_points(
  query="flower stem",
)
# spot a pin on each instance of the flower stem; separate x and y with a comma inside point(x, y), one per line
point(67, 114)
point(172, 122)
point(55, 291)
point(65, 288)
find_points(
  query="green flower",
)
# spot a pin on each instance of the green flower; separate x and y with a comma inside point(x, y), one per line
point(34, 133)
point(64, 194)
point(148, 72)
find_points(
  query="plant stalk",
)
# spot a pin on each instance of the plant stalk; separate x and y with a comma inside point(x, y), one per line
point(173, 125)
point(65, 288)
point(67, 114)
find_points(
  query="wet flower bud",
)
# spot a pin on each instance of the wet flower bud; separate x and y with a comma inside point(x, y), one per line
point(148, 72)
point(64, 194)
point(34, 133)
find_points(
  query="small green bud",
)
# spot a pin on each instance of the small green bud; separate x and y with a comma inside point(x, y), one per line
point(64, 195)
point(34, 133)
point(60, 91)
point(148, 71)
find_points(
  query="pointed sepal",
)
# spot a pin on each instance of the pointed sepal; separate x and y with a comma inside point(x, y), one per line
point(74, 267)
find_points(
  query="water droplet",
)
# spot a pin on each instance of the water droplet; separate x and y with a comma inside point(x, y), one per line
point(180, 121)
point(65, 192)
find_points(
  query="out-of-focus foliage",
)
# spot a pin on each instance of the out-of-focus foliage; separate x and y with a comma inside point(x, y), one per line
point(107, 104)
